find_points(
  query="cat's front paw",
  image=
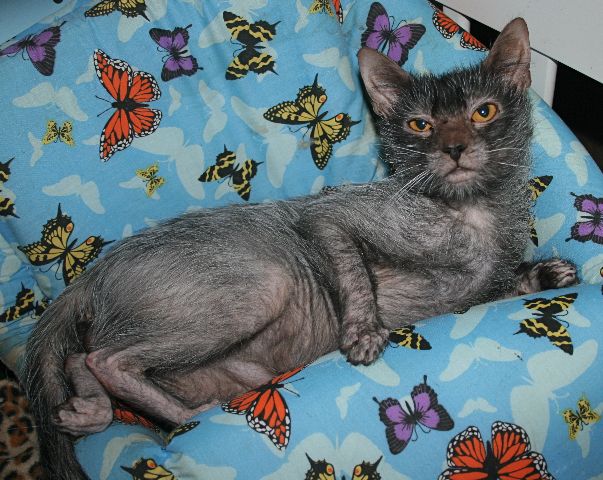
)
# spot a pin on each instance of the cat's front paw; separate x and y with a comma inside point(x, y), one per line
point(363, 345)
point(557, 273)
point(546, 275)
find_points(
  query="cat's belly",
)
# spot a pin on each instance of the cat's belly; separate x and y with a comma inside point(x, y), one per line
point(307, 329)
point(409, 296)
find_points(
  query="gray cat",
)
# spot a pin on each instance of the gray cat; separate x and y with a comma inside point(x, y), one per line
point(215, 302)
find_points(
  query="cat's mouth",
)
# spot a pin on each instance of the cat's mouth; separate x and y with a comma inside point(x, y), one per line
point(460, 175)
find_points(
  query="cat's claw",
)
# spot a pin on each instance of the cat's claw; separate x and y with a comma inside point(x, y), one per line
point(362, 347)
point(557, 273)
point(546, 275)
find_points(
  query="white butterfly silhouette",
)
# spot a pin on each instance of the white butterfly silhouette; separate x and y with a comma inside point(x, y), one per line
point(332, 58)
point(217, 118)
point(281, 146)
point(549, 371)
point(464, 355)
point(169, 141)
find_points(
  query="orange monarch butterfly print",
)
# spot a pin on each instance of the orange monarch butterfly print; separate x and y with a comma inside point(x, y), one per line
point(338, 10)
point(131, 91)
point(448, 27)
point(509, 456)
point(124, 414)
point(266, 410)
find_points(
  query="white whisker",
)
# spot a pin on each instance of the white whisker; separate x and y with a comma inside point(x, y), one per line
point(512, 165)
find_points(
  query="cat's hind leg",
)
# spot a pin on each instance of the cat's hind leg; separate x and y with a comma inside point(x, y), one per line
point(122, 374)
point(89, 410)
point(545, 275)
point(213, 326)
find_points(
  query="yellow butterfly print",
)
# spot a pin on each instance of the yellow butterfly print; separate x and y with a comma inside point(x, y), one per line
point(181, 430)
point(577, 419)
point(147, 468)
point(320, 470)
point(407, 337)
point(5, 170)
point(225, 168)
point(54, 247)
point(305, 109)
point(546, 322)
point(7, 206)
point(129, 8)
point(24, 303)
point(149, 177)
point(366, 471)
point(54, 133)
point(321, 6)
point(536, 186)
point(323, 470)
point(249, 35)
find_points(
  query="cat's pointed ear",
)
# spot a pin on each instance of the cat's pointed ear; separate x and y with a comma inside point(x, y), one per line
point(383, 80)
point(510, 54)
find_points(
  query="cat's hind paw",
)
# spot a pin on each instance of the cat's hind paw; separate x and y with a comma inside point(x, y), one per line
point(546, 275)
point(362, 346)
point(81, 416)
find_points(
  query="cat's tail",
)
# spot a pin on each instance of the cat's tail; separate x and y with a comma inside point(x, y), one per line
point(54, 338)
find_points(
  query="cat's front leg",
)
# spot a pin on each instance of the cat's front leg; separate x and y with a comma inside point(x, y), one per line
point(362, 343)
point(533, 277)
point(362, 336)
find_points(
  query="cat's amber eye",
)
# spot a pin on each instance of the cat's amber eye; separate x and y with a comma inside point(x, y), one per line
point(420, 125)
point(484, 113)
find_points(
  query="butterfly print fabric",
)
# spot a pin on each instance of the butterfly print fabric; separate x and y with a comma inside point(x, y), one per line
point(148, 468)
point(175, 42)
point(547, 321)
point(305, 110)
point(129, 8)
point(401, 424)
point(537, 186)
point(407, 337)
point(507, 456)
point(590, 226)
point(55, 247)
point(239, 176)
point(131, 91)
point(448, 28)
point(7, 205)
point(150, 178)
point(382, 35)
point(24, 303)
point(577, 419)
point(266, 410)
point(323, 470)
point(40, 49)
point(120, 114)
point(54, 133)
point(249, 35)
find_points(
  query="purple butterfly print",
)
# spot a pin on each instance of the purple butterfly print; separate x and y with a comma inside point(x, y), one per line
point(400, 423)
point(381, 35)
point(39, 48)
point(591, 229)
point(178, 61)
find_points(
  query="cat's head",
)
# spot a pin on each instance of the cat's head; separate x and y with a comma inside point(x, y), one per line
point(460, 134)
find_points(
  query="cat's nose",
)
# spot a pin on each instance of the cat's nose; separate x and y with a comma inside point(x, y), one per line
point(454, 151)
